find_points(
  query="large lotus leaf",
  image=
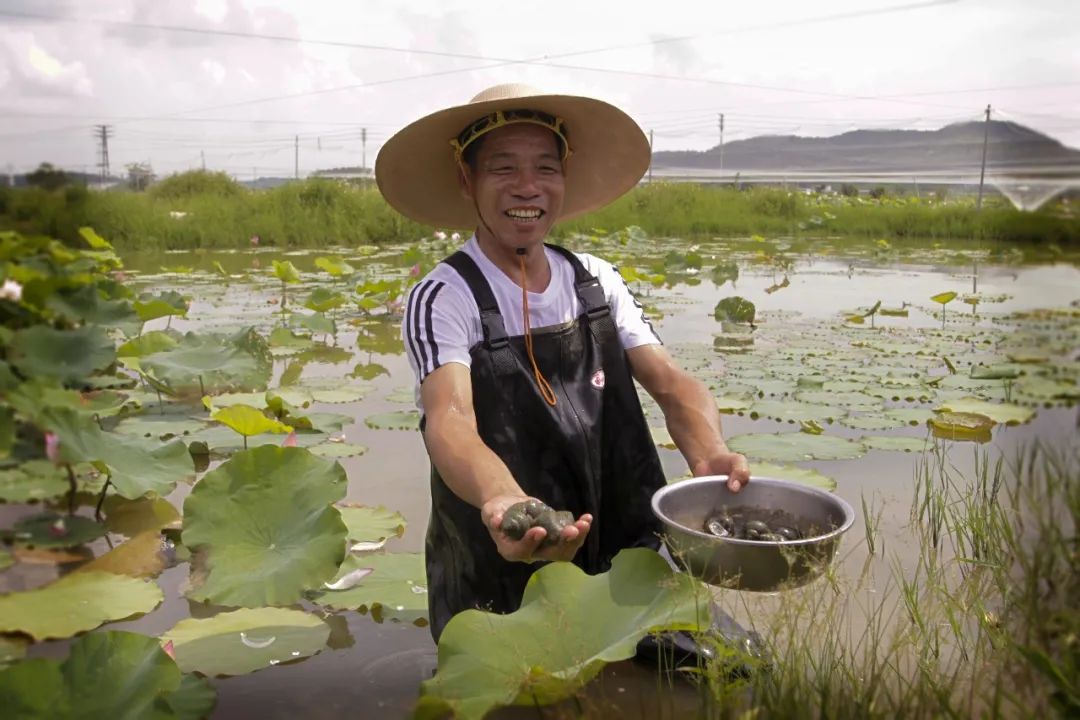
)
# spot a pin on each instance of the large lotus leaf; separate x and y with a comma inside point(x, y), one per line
point(152, 307)
point(133, 469)
point(794, 473)
point(369, 524)
point(794, 411)
point(68, 356)
point(212, 364)
point(735, 309)
point(131, 517)
point(795, 447)
point(323, 299)
point(49, 530)
point(998, 412)
point(86, 306)
point(144, 556)
point(116, 675)
point(147, 344)
point(263, 527)
point(397, 420)
point(34, 480)
point(283, 337)
point(243, 641)
point(160, 427)
point(391, 586)
point(568, 627)
point(316, 323)
point(75, 603)
point(286, 272)
point(333, 265)
point(102, 403)
point(248, 421)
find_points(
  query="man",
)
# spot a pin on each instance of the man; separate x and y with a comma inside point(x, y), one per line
point(525, 354)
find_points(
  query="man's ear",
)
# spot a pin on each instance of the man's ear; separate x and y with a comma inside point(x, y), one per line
point(464, 184)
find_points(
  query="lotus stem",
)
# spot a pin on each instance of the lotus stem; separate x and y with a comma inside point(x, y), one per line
point(73, 488)
point(101, 499)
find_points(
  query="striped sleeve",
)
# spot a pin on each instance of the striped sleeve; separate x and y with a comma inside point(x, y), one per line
point(633, 324)
point(434, 328)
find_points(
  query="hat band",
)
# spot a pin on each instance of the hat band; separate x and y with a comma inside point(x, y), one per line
point(501, 118)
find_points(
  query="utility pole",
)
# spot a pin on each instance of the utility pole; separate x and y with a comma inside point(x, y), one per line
point(650, 156)
point(296, 158)
point(103, 133)
point(721, 144)
point(202, 154)
point(363, 149)
point(982, 171)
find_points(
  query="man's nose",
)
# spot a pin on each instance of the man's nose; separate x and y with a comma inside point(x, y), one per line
point(525, 183)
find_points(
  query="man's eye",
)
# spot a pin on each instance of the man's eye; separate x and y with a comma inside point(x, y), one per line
point(502, 169)
point(549, 169)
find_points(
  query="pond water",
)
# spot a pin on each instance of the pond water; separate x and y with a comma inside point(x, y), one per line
point(804, 294)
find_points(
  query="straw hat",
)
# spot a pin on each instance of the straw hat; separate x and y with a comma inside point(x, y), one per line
point(418, 174)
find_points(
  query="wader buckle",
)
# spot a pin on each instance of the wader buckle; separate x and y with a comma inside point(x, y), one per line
point(592, 297)
point(494, 330)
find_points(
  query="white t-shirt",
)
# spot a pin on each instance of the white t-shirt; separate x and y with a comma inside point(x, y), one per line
point(442, 320)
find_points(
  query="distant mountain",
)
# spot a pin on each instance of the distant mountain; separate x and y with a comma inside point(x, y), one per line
point(954, 148)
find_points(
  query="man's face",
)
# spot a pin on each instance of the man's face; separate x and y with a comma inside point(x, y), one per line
point(518, 184)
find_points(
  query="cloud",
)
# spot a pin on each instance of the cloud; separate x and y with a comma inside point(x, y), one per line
point(32, 71)
point(671, 54)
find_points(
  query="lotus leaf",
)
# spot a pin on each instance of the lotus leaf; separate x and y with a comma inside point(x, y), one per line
point(997, 371)
point(317, 323)
point(334, 266)
point(961, 426)
point(160, 427)
point(263, 528)
point(792, 411)
point(796, 446)
point(75, 603)
point(116, 675)
point(368, 371)
point(732, 404)
point(283, 337)
point(93, 240)
point(49, 530)
point(735, 309)
point(248, 421)
point(569, 626)
point(405, 395)
point(894, 442)
point(850, 400)
point(210, 363)
point(323, 299)
point(872, 421)
point(86, 306)
point(132, 469)
point(255, 399)
point(152, 307)
point(998, 412)
point(662, 438)
point(371, 524)
point(33, 480)
point(725, 272)
point(1040, 388)
point(910, 416)
point(144, 556)
point(340, 394)
point(286, 272)
point(12, 648)
point(221, 442)
point(794, 473)
point(338, 450)
point(944, 298)
point(131, 517)
point(398, 420)
point(395, 589)
point(68, 356)
point(246, 640)
point(291, 374)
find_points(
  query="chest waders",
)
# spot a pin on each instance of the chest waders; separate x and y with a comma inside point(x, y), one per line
point(589, 453)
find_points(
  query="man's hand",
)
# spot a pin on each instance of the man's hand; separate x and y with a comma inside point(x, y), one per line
point(727, 463)
point(528, 549)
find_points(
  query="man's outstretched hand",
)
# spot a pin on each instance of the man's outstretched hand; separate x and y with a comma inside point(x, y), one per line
point(727, 463)
point(528, 549)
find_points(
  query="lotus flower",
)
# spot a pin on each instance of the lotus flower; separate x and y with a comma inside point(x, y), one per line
point(414, 271)
point(169, 650)
point(290, 440)
point(440, 235)
point(456, 237)
point(254, 241)
point(52, 447)
point(11, 290)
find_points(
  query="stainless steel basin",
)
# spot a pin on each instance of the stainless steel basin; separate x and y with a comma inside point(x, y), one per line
point(748, 564)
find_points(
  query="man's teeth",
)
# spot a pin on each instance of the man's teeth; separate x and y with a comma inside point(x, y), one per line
point(522, 214)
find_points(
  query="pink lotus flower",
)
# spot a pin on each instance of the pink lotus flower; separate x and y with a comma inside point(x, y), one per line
point(169, 649)
point(254, 240)
point(52, 447)
point(456, 237)
point(290, 441)
point(440, 235)
point(11, 290)
point(414, 271)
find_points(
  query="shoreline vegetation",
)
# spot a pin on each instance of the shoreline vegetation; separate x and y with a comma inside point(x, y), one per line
point(209, 210)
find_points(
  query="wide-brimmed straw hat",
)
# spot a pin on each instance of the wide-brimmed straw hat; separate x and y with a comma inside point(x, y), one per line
point(417, 170)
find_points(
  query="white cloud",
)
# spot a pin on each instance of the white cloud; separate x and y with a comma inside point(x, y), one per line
point(34, 71)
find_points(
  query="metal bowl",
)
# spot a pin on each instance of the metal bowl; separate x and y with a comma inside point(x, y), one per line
point(684, 506)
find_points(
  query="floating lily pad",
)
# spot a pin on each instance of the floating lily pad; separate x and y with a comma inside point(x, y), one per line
point(119, 675)
point(371, 524)
point(50, 530)
point(1040, 388)
point(793, 411)
point(796, 446)
point(131, 517)
point(282, 337)
point(894, 442)
point(998, 412)
point(488, 660)
point(794, 473)
point(398, 420)
point(872, 421)
point(850, 400)
point(403, 395)
point(338, 450)
point(145, 555)
point(31, 481)
point(395, 589)
point(341, 394)
point(75, 603)
point(910, 416)
point(159, 427)
point(263, 527)
point(243, 641)
point(961, 426)
point(662, 438)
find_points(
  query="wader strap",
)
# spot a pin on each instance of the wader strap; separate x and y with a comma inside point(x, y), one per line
point(490, 319)
point(591, 295)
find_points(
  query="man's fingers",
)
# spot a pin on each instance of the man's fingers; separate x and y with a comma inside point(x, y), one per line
point(740, 473)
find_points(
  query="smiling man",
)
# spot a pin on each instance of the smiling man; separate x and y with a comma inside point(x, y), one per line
point(525, 354)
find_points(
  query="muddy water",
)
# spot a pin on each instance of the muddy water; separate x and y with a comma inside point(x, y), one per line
point(374, 669)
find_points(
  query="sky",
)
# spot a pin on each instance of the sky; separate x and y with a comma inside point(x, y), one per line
point(246, 86)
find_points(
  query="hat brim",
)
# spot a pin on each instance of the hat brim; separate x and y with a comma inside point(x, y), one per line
point(417, 174)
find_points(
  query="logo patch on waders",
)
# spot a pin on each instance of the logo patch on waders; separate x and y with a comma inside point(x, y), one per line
point(598, 379)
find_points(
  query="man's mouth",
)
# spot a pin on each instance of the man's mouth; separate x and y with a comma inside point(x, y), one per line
point(531, 214)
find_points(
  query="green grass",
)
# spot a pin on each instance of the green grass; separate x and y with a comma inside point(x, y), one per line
point(318, 213)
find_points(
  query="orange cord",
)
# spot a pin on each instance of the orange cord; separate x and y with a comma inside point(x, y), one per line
point(545, 386)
